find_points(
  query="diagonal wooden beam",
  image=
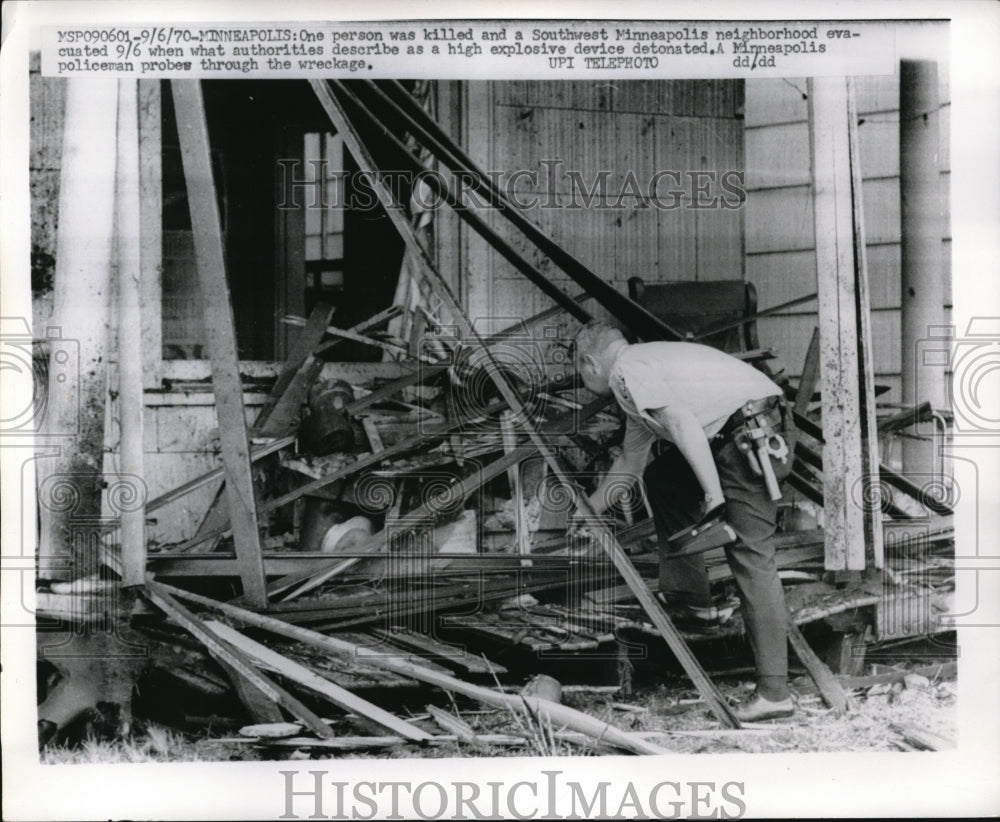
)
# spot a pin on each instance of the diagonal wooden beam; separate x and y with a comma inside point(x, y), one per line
point(340, 697)
point(617, 554)
point(220, 333)
point(280, 412)
point(560, 715)
point(235, 659)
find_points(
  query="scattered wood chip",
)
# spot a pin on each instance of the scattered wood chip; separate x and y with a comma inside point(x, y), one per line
point(624, 706)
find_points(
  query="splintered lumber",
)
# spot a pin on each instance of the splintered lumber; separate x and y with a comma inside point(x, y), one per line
point(830, 688)
point(921, 738)
point(220, 333)
point(432, 432)
point(396, 214)
point(234, 658)
point(424, 373)
point(425, 513)
point(280, 412)
point(449, 655)
point(558, 715)
point(452, 724)
point(340, 697)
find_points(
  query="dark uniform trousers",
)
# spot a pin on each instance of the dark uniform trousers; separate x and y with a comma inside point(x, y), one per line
point(675, 496)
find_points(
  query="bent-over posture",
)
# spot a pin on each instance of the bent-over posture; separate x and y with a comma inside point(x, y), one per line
point(691, 404)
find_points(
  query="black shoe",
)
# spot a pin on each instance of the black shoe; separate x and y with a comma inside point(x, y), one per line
point(759, 709)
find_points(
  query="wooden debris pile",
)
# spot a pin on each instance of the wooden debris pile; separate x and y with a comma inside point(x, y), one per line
point(364, 522)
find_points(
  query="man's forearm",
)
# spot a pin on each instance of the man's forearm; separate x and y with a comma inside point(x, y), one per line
point(690, 439)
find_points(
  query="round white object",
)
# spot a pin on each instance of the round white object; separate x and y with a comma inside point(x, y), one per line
point(345, 535)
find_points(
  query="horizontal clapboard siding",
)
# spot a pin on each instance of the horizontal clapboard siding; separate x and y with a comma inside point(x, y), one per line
point(779, 214)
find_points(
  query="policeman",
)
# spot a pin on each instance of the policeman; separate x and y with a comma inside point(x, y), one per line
point(718, 426)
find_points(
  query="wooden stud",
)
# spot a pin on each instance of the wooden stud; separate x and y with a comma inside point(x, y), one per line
point(871, 512)
point(836, 284)
point(422, 515)
point(151, 228)
point(130, 329)
point(220, 333)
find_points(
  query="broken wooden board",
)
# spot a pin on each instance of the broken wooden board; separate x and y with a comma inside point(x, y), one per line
point(921, 738)
point(234, 658)
point(451, 656)
point(831, 690)
point(559, 715)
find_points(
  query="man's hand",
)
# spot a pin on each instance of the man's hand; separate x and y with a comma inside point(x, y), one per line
point(583, 524)
point(712, 508)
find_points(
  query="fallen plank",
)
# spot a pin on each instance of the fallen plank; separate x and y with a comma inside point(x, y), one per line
point(636, 314)
point(921, 738)
point(261, 709)
point(830, 689)
point(942, 670)
point(448, 655)
point(234, 658)
point(559, 715)
point(299, 673)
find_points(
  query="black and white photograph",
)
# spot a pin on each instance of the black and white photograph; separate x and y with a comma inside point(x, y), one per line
point(627, 397)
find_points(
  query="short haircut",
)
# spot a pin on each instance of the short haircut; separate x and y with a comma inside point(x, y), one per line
point(595, 336)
